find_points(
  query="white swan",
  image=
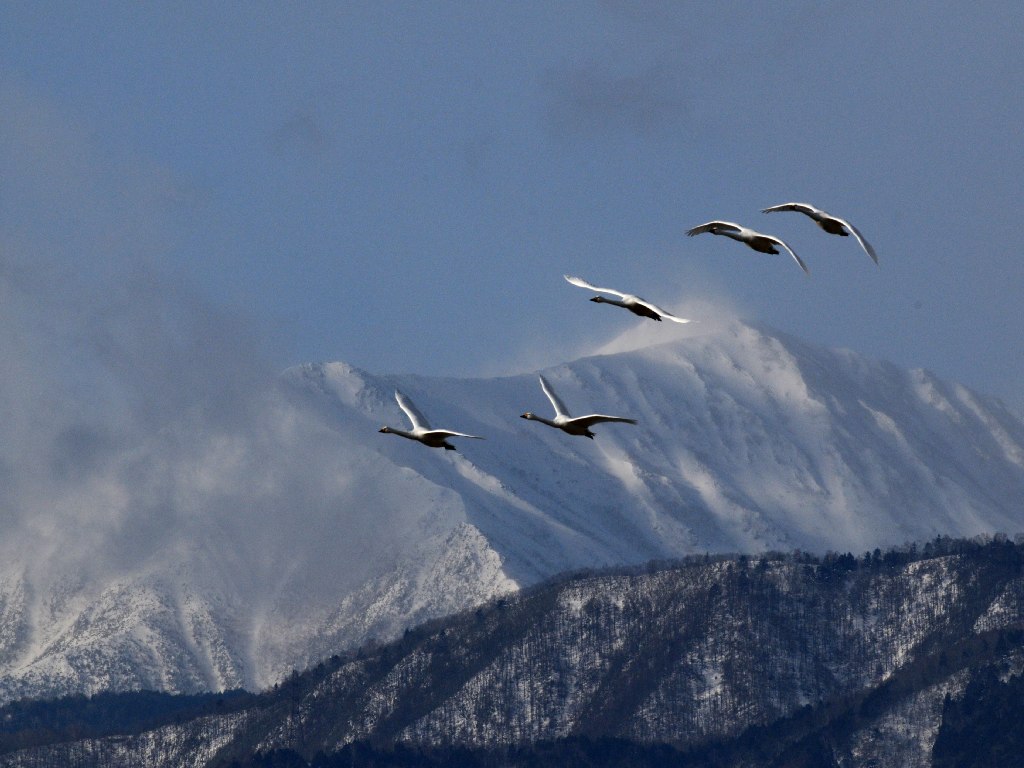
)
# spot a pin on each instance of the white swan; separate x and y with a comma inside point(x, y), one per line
point(421, 431)
point(831, 224)
point(574, 426)
point(634, 304)
point(756, 240)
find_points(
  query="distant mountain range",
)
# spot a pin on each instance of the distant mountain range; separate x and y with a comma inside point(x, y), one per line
point(909, 657)
point(748, 440)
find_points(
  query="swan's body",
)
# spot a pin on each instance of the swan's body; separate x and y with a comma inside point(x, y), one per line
point(831, 224)
point(759, 242)
point(574, 426)
point(634, 304)
point(421, 431)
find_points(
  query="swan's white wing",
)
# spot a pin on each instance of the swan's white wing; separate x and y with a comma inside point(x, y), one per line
point(584, 284)
point(802, 207)
point(707, 227)
point(664, 315)
point(673, 318)
point(860, 239)
point(791, 252)
point(559, 406)
point(417, 418)
point(600, 418)
point(448, 433)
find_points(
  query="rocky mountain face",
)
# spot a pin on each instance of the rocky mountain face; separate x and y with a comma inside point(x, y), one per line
point(252, 557)
point(852, 660)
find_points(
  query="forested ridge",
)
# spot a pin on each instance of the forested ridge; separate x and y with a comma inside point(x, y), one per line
point(781, 659)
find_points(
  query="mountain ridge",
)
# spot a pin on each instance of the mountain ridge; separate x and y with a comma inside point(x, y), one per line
point(731, 660)
point(748, 440)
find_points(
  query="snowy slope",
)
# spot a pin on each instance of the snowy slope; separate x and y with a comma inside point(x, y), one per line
point(747, 440)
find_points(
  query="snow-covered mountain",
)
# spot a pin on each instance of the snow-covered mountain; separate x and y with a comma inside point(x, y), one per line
point(781, 660)
point(748, 440)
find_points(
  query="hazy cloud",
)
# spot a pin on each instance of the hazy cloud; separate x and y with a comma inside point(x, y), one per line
point(139, 420)
point(593, 99)
point(304, 133)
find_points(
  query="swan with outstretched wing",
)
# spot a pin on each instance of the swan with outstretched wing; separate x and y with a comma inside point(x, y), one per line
point(831, 224)
point(759, 241)
point(580, 425)
point(634, 304)
point(421, 430)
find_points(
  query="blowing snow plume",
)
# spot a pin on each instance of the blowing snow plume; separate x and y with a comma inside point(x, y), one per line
point(709, 316)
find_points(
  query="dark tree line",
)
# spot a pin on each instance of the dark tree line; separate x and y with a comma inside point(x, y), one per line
point(29, 723)
point(985, 727)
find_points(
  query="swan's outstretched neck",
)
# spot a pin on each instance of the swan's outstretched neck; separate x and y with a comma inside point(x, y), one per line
point(534, 417)
point(399, 432)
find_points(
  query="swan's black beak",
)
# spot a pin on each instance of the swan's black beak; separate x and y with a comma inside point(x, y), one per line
point(383, 429)
point(525, 415)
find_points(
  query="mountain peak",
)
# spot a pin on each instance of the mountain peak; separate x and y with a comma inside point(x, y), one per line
point(319, 533)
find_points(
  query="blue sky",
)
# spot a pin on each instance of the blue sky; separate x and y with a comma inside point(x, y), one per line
point(402, 185)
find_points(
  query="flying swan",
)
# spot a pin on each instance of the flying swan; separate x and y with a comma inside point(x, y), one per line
point(421, 431)
point(574, 426)
point(634, 304)
point(831, 224)
point(759, 242)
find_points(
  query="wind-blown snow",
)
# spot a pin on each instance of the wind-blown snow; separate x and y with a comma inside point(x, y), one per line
point(747, 440)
